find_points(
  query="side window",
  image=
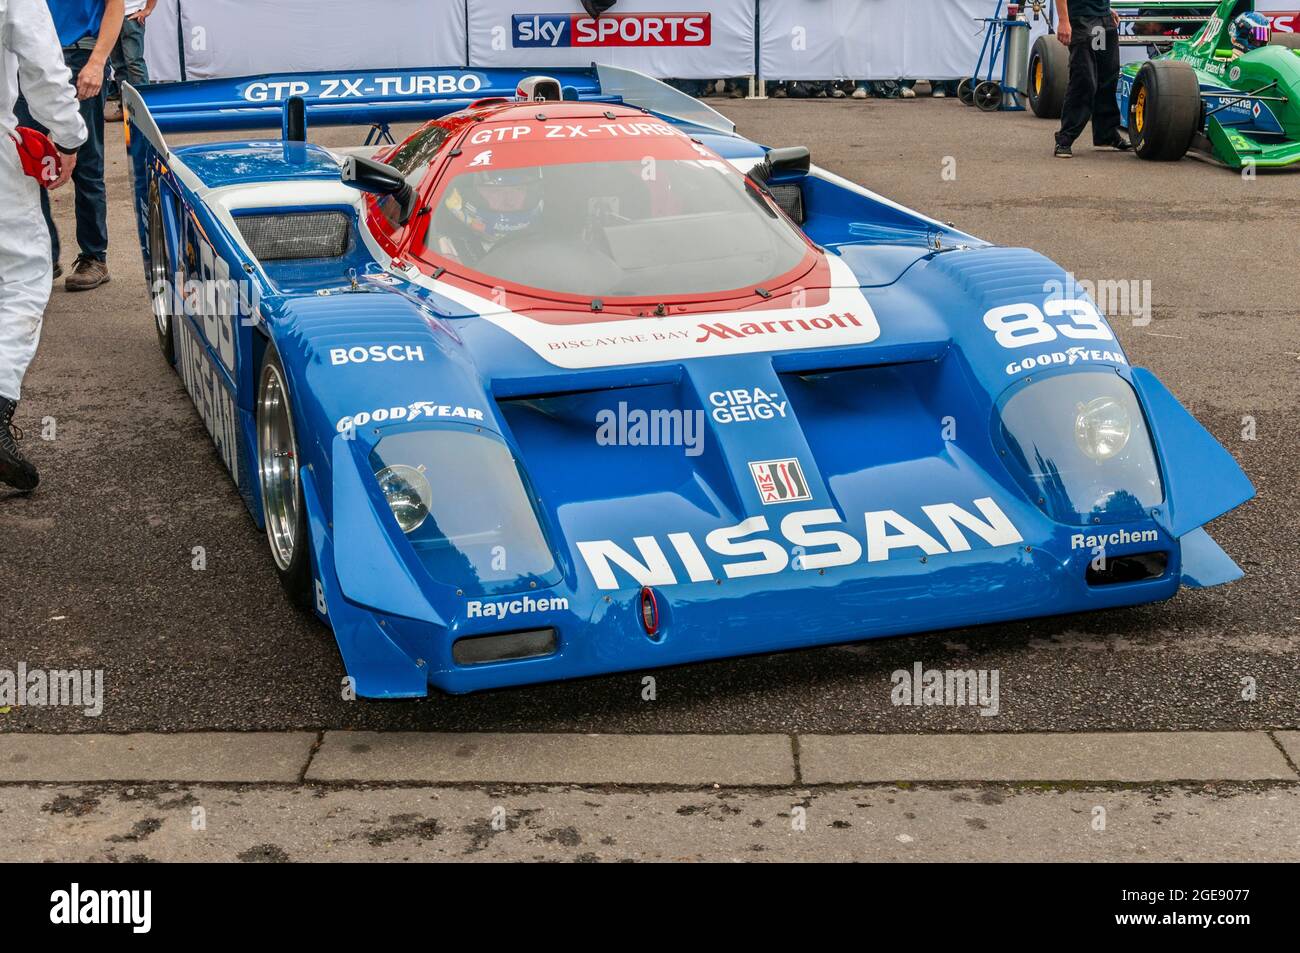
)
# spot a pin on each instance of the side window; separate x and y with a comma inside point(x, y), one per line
point(412, 159)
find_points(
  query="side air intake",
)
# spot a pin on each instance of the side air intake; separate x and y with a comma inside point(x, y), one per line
point(295, 236)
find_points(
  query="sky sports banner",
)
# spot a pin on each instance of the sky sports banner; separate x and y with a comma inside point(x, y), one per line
point(688, 39)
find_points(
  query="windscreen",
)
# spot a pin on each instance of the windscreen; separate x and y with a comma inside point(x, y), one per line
point(636, 213)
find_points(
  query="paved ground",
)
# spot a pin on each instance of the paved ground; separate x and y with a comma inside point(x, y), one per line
point(96, 567)
point(562, 823)
point(345, 795)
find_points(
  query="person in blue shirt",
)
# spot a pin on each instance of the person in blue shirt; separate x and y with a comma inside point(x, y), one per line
point(88, 30)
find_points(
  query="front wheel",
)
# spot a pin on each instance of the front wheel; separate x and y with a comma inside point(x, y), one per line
point(966, 91)
point(279, 476)
point(1164, 110)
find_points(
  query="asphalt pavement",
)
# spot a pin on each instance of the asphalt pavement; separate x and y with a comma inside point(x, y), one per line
point(96, 568)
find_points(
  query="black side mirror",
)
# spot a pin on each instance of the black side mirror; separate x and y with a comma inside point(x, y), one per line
point(367, 175)
point(783, 164)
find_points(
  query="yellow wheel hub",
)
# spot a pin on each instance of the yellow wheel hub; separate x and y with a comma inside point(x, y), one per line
point(1140, 110)
point(1038, 76)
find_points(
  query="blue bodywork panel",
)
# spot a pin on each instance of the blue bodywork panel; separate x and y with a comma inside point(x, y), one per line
point(888, 481)
point(234, 163)
point(1203, 480)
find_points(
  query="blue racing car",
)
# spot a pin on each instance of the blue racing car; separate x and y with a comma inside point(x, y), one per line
point(574, 379)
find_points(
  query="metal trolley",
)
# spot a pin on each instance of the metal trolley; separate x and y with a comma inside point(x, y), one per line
point(1006, 42)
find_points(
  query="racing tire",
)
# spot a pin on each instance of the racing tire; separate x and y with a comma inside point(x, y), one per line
point(966, 91)
point(1164, 110)
point(988, 96)
point(1049, 72)
point(280, 483)
point(160, 298)
point(1290, 40)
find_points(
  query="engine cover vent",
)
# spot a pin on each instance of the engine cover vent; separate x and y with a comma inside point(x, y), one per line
point(295, 235)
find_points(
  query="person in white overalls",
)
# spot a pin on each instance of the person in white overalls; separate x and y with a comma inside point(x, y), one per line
point(30, 54)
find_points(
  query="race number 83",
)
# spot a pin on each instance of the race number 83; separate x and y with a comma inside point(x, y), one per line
point(1019, 325)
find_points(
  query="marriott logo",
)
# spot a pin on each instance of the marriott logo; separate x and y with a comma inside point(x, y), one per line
point(723, 330)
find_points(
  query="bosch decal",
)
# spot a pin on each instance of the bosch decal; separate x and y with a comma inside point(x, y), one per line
point(377, 354)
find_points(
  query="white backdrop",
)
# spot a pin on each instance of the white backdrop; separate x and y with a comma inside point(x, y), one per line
point(160, 45)
point(245, 37)
point(493, 38)
point(873, 39)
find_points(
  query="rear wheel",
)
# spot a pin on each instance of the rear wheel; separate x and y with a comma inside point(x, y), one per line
point(1290, 40)
point(966, 91)
point(280, 481)
point(160, 294)
point(1164, 110)
point(1049, 71)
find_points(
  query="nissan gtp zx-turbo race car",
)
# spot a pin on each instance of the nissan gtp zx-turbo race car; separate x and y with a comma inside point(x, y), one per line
point(560, 386)
point(1230, 90)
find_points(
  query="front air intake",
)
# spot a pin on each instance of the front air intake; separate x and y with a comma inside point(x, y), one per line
point(1133, 567)
point(295, 236)
point(512, 646)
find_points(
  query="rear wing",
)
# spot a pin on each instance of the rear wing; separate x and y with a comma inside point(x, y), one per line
point(1159, 23)
point(292, 102)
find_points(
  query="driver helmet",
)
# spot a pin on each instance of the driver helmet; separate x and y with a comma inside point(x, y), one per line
point(1249, 32)
point(497, 203)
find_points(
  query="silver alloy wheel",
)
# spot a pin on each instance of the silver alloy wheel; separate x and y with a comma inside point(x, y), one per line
point(277, 464)
point(158, 276)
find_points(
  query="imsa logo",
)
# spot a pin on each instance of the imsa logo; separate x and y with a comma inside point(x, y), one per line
point(741, 551)
point(780, 481)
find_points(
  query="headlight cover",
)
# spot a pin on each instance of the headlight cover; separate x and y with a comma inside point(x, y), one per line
point(460, 499)
point(1079, 444)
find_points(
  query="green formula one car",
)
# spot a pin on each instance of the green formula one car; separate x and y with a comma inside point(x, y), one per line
point(1230, 89)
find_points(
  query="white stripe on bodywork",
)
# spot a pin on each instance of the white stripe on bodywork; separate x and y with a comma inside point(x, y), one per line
point(605, 343)
point(306, 193)
point(678, 337)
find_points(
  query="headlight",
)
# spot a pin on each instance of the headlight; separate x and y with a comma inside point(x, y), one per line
point(1078, 444)
point(408, 494)
point(1102, 428)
